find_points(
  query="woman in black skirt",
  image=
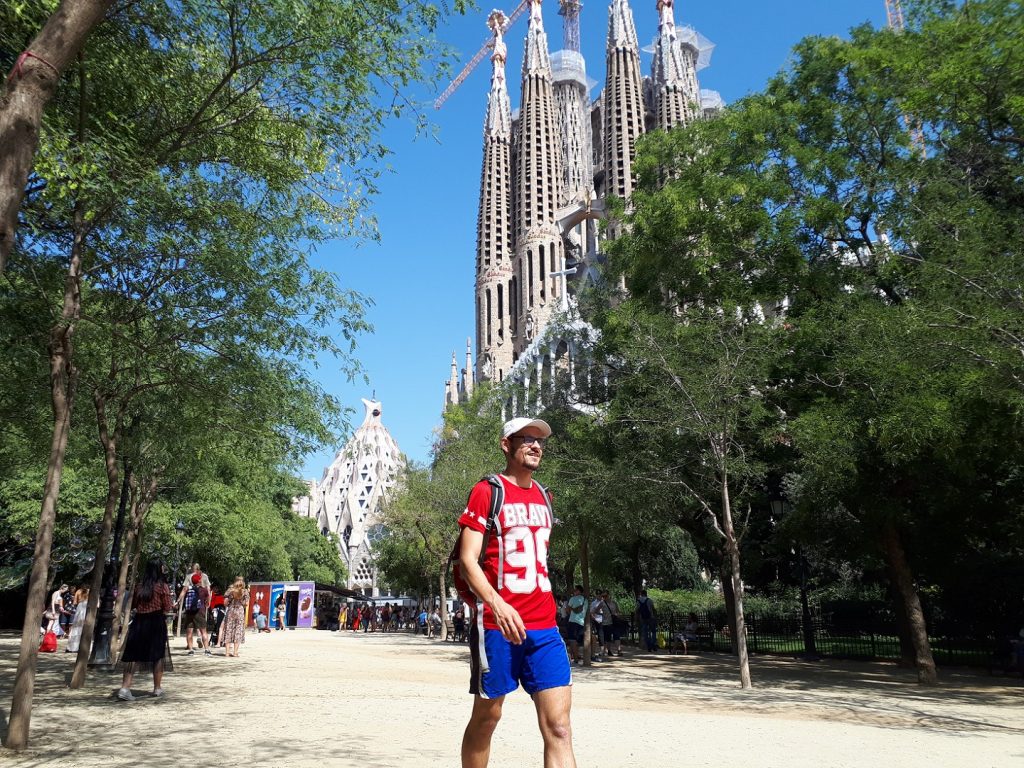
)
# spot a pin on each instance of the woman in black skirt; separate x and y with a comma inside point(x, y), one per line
point(147, 643)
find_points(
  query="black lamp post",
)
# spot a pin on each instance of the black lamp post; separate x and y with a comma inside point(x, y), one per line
point(810, 647)
point(100, 655)
point(180, 528)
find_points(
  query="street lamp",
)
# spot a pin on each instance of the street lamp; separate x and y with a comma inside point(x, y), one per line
point(100, 654)
point(779, 509)
point(180, 528)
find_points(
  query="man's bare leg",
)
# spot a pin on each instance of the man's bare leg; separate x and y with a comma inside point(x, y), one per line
point(476, 741)
point(553, 706)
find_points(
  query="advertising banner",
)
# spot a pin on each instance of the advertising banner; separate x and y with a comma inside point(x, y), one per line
point(259, 594)
point(276, 591)
point(306, 605)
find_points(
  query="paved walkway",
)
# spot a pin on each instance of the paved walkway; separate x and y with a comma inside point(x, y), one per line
point(308, 698)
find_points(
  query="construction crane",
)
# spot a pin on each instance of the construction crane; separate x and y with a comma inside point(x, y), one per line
point(894, 14)
point(506, 22)
point(570, 9)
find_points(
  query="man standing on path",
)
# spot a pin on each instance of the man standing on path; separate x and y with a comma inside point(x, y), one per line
point(514, 635)
point(197, 601)
point(577, 618)
point(648, 622)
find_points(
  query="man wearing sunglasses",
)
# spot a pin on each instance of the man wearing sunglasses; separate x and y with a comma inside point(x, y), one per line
point(514, 638)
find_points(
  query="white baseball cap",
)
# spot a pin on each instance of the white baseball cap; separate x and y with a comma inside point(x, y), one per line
point(518, 425)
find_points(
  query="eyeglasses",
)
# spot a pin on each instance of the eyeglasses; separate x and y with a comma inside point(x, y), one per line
point(530, 439)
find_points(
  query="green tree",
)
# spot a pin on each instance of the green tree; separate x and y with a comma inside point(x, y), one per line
point(893, 276)
point(421, 519)
point(226, 136)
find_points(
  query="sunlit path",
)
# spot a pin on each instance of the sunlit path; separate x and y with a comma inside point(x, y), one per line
point(308, 698)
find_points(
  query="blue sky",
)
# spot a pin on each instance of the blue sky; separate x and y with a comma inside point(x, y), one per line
point(420, 276)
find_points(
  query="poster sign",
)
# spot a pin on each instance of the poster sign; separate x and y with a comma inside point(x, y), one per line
point(276, 591)
point(259, 594)
point(306, 605)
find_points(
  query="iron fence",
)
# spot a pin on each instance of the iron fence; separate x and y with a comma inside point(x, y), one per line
point(834, 635)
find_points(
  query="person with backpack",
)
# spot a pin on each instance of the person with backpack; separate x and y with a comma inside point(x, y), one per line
point(648, 620)
point(502, 574)
point(196, 600)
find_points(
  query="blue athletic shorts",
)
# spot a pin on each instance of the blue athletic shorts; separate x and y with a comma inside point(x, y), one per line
point(538, 663)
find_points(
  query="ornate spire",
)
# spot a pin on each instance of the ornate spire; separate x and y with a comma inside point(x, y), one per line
point(467, 372)
point(623, 102)
point(674, 72)
point(494, 225)
point(536, 58)
point(621, 29)
point(498, 121)
point(538, 194)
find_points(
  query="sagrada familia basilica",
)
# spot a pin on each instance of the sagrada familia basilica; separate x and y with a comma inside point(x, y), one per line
point(547, 173)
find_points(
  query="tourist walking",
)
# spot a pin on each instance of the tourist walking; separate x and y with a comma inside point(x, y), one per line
point(146, 644)
point(514, 637)
point(577, 619)
point(601, 619)
point(78, 621)
point(56, 608)
point(614, 630)
point(196, 600)
point(236, 600)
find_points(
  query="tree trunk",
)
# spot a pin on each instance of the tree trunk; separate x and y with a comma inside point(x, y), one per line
point(63, 382)
point(441, 582)
point(906, 593)
point(109, 442)
point(585, 579)
point(141, 501)
point(634, 562)
point(570, 573)
point(30, 86)
point(903, 632)
point(740, 639)
point(725, 574)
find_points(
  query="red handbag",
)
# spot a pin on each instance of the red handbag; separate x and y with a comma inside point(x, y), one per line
point(49, 644)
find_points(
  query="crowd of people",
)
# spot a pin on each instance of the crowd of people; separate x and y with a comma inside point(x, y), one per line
point(210, 620)
point(64, 616)
point(369, 617)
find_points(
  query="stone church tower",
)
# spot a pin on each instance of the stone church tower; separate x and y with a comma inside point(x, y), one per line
point(674, 72)
point(624, 109)
point(538, 190)
point(494, 283)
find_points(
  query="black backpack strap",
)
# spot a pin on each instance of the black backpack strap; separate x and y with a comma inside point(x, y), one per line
point(497, 501)
point(547, 498)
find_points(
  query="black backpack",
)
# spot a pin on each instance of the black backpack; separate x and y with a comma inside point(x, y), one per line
point(193, 600)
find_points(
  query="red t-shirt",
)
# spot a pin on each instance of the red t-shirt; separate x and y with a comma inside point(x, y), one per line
point(516, 561)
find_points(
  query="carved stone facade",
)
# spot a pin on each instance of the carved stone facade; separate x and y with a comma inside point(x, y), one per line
point(348, 498)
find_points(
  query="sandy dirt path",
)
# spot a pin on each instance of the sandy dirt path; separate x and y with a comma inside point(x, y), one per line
point(308, 698)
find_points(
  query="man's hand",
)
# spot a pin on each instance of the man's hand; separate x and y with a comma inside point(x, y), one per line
point(508, 620)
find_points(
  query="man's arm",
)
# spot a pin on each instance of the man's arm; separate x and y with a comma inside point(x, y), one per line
point(505, 616)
